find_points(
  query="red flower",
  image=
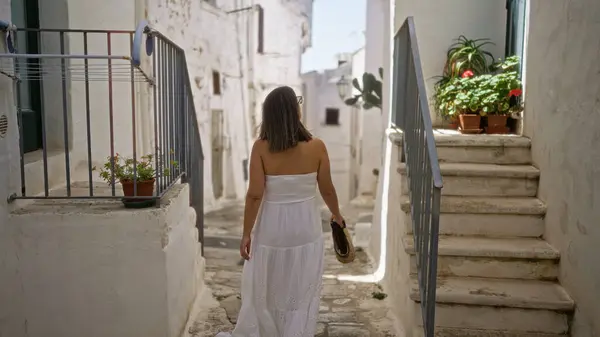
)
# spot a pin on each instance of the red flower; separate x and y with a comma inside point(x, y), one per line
point(515, 92)
point(467, 73)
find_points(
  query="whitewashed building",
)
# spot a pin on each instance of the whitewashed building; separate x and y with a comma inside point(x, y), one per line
point(543, 213)
point(329, 118)
point(73, 263)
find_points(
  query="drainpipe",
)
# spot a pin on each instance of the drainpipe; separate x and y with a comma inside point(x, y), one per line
point(249, 117)
point(252, 47)
point(250, 50)
point(145, 127)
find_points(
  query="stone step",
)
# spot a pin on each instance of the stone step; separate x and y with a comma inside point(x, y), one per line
point(363, 202)
point(507, 258)
point(462, 179)
point(483, 149)
point(458, 332)
point(513, 307)
point(490, 216)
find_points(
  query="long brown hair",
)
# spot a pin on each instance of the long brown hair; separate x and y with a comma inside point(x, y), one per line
point(281, 126)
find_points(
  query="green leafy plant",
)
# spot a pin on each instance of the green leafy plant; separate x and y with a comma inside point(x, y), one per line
point(370, 94)
point(467, 54)
point(483, 94)
point(123, 168)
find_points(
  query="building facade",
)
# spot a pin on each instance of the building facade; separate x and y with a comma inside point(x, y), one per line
point(543, 215)
point(329, 118)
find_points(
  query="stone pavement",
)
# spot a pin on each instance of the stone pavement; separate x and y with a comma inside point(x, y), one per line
point(351, 306)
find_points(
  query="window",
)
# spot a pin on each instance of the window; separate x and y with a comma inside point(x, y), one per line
point(332, 116)
point(216, 79)
point(25, 13)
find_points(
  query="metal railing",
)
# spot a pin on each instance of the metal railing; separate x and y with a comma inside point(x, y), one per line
point(87, 98)
point(410, 113)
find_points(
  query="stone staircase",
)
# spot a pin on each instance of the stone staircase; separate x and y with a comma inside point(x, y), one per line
point(496, 275)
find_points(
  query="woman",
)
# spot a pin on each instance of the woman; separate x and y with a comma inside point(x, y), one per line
point(281, 281)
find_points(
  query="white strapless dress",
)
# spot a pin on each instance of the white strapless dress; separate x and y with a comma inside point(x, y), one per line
point(281, 283)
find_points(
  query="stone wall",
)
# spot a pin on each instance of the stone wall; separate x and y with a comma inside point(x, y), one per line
point(562, 118)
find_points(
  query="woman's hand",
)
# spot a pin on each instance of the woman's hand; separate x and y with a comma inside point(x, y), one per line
point(338, 219)
point(245, 247)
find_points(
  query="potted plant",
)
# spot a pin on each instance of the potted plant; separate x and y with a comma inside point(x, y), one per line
point(446, 91)
point(505, 90)
point(460, 98)
point(467, 54)
point(442, 96)
point(142, 174)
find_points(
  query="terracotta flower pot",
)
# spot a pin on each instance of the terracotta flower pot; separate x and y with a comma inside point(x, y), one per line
point(496, 124)
point(469, 123)
point(453, 124)
point(144, 188)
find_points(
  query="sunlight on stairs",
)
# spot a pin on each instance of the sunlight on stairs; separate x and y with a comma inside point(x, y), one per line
point(496, 274)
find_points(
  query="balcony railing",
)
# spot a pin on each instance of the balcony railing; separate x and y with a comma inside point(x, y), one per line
point(410, 113)
point(86, 97)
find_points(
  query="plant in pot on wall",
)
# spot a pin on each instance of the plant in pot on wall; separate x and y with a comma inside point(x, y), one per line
point(137, 178)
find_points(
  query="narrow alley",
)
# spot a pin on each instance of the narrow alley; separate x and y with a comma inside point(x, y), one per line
point(348, 308)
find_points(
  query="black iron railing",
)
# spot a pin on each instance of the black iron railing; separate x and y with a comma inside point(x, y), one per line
point(410, 113)
point(86, 98)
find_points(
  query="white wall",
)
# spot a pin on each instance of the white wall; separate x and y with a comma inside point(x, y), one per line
point(372, 119)
point(439, 22)
point(12, 311)
point(562, 117)
point(103, 270)
point(322, 93)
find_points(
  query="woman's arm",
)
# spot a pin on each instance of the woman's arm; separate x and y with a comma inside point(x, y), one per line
point(256, 188)
point(326, 184)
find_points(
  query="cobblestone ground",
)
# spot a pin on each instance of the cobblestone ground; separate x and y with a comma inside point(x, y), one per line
point(351, 306)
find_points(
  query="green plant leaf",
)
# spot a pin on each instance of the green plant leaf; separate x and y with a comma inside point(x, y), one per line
point(356, 85)
point(352, 101)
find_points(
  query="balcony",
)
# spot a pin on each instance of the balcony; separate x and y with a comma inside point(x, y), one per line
point(97, 111)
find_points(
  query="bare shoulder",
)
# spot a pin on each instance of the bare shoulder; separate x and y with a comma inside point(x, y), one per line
point(260, 146)
point(317, 144)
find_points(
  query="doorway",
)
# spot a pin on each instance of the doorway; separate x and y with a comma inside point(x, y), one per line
point(216, 132)
point(25, 14)
point(516, 18)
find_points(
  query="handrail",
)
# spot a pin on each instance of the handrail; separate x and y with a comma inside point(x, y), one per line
point(410, 113)
point(194, 164)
